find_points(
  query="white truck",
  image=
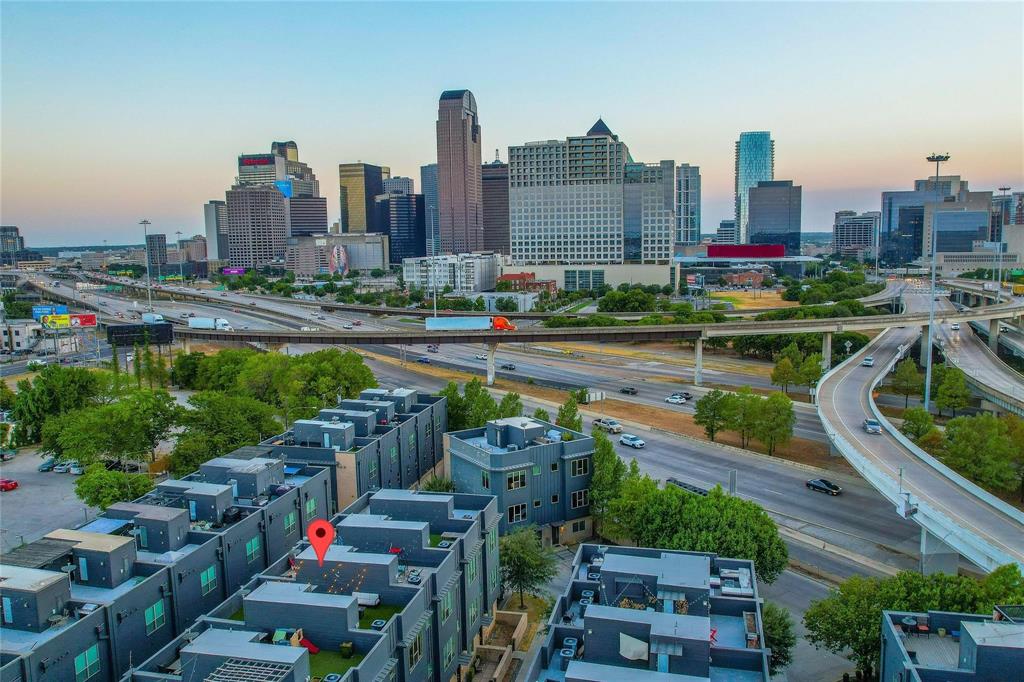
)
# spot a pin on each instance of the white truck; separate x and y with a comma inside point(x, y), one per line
point(152, 318)
point(218, 323)
point(989, 286)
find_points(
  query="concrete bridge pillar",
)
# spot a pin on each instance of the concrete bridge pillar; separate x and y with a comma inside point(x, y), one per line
point(925, 350)
point(937, 556)
point(826, 351)
point(698, 361)
point(993, 335)
point(186, 346)
point(492, 349)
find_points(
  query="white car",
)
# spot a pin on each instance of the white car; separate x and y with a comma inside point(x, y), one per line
point(632, 441)
point(955, 326)
point(868, 362)
point(480, 356)
point(675, 400)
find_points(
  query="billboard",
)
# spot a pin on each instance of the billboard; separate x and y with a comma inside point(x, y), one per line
point(256, 160)
point(84, 320)
point(338, 260)
point(129, 334)
point(39, 310)
point(55, 321)
point(746, 250)
point(232, 271)
point(284, 187)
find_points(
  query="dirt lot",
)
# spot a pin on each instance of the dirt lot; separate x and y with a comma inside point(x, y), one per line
point(753, 300)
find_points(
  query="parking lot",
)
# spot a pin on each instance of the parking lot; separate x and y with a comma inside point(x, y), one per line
point(42, 502)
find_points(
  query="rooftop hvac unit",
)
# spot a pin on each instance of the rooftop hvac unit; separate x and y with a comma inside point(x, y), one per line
point(444, 544)
point(512, 447)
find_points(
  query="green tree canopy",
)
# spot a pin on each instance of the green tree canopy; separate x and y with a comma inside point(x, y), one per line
point(778, 636)
point(98, 487)
point(917, 422)
point(511, 405)
point(784, 374)
point(526, 565)
point(541, 414)
point(907, 381)
point(606, 481)
point(439, 484)
point(953, 393)
point(569, 415)
point(54, 391)
point(743, 419)
point(775, 422)
point(472, 408)
point(811, 370)
point(980, 448)
point(715, 412)
point(217, 424)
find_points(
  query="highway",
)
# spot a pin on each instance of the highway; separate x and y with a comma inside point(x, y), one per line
point(843, 399)
point(990, 375)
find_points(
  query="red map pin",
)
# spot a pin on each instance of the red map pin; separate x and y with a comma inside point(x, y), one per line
point(321, 535)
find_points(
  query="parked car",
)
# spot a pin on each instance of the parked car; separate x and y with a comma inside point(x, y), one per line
point(632, 441)
point(609, 425)
point(628, 390)
point(872, 426)
point(64, 467)
point(822, 485)
point(675, 399)
point(76, 469)
point(423, 360)
point(509, 366)
point(955, 326)
point(47, 465)
point(868, 362)
point(7, 484)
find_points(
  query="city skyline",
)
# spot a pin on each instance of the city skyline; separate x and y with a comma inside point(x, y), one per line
point(185, 114)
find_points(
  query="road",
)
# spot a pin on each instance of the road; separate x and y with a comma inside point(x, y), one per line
point(970, 353)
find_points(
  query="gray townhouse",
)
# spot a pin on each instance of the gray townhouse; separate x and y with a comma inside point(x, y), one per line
point(539, 472)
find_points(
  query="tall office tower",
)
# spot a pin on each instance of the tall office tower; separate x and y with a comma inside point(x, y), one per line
point(428, 182)
point(307, 215)
point(193, 249)
point(11, 242)
point(289, 150)
point(260, 169)
point(402, 218)
point(726, 233)
point(854, 234)
point(358, 184)
point(687, 204)
point(755, 162)
point(494, 202)
point(215, 215)
point(257, 225)
point(580, 199)
point(774, 214)
point(156, 254)
point(957, 230)
point(458, 173)
point(399, 185)
point(301, 177)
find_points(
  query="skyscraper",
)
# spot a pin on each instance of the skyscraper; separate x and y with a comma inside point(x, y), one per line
point(257, 225)
point(399, 184)
point(359, 184)
point(687, 204)
point(494, 202)
point(774, 214)
point(156, 254)
point(458, 173)
point(853, 234)
point(755, 162)
point(308, 215)
point(428, 183)
point(11, 240)
point(215, 215)
point(648, 212)
point(294, 179)
point(726, 233)
point(401, 217)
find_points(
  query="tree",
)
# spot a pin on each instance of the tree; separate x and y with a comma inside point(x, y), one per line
point(54, 391)
point(7, 397)
point(569, 415)
point(220, 372)
point(953, 392)
point(125, 430)
point(714, 412)
point(775, 422)
point(185, 369)
point(811, 370)
point(480, 405)
point(137, 363)
point(907, 381)
point(98, 487)
point(606, 481)
point(542, 415)
point(629, 513)
point(219, 423)
point(917, 422)
point(778, 636)
point(439, 484)
point(792, 353)
point(455, 405)
point(526, 565)
point(329, 374)
point(743, 419)
point(506, 304)
point(848, 620)
point(511, 405)
point(1015, 430)
point(784, 374)
point(980, 448)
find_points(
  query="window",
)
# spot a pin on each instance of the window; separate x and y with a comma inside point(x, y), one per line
point(252, 549)
point(416, 650)
point(208, 580)
point(517, 513)
point(554, 499)
point(472, 565)
point(579, 498)
point(515, 480)
point(155, 617)
point(492, 576)
point(474, 609)
point(579, 526)
point(536, 471)
point(8, 610)
point(87, 663)
point(289, 522)
point(536, 504)
point(412, 441)
point(449, 651)
point(580, 467)
point(372, 470)
point(492, 540)
point(394, 454)
point(311, 506)
point(554, 466)
point(143, 536)
point(485, 480)
point(446, 606)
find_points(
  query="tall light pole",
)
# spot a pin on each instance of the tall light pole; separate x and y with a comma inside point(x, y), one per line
point(149, 287)
point(181, 259)
point(999, 245)
point(936, 159)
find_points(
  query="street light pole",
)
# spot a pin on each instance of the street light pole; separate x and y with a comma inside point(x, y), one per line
point(181, 259)
point(999, 246)
point(936, 159)
point(149, 286)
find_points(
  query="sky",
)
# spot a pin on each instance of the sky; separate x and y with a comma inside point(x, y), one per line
point(115, 112)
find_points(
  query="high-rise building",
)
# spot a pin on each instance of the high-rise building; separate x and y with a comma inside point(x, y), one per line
point(458, 173)
point(726, 233)
point(583, 200)
point(854, 234)
point(303, 181)
point(359, 184)
point(958, 230)
point(193, 249)
point(11, 240)
point(902, 230)
point(260, 169)
point(156, 253)
point(215, 215)
point(774, 214)
point(331, 254)
point(399, 185)
point(308, 215)
point(428, 182)
point(464, 272)
point(755, 162)
point(257, 225)
point(494, 201)
point(293, 179)
point(289, 150)
point(402, 218)
point(687, 204)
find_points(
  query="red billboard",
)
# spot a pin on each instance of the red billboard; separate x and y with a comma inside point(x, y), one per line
point(84, 320)
point(746, 250)
point(261, 160)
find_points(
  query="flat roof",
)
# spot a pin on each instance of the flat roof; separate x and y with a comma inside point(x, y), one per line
point(343, 553)
point(668, 625)
point(703, 260)
point(1002, 634)
point(179, 486)
point(250, 466)
point(600, 672)
point(380, 521)
point(39, 553)
point(28, 579)
point(149, 511)
point(406, 495)
point(672, 570)
point(99, 542)
point(303, 594)
point(242, 644)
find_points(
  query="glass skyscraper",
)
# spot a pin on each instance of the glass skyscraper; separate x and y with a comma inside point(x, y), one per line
point(428, 183)
point(687, 204)
point(755, 162)
point(775, 207)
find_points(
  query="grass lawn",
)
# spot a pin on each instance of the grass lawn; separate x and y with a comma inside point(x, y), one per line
point(579, 306)
point(327, 662)
point(434, 539)
point(537, 612)
point(411, 320)
point(372, 613)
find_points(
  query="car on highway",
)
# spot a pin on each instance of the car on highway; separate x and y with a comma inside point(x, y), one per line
point(423, 360)
point(357, 323)
point(867, 362)
point(675, 399)
point(823, 485)
point(955, 326)
point(628, 390)
point(872, 426)
point(8, 484)
point(632, 441)
point(47, 465)
point(347, 325)
point(433, 348)
point(607, 424)
point(685, 394)
point(480, 356)
point(509, 366)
